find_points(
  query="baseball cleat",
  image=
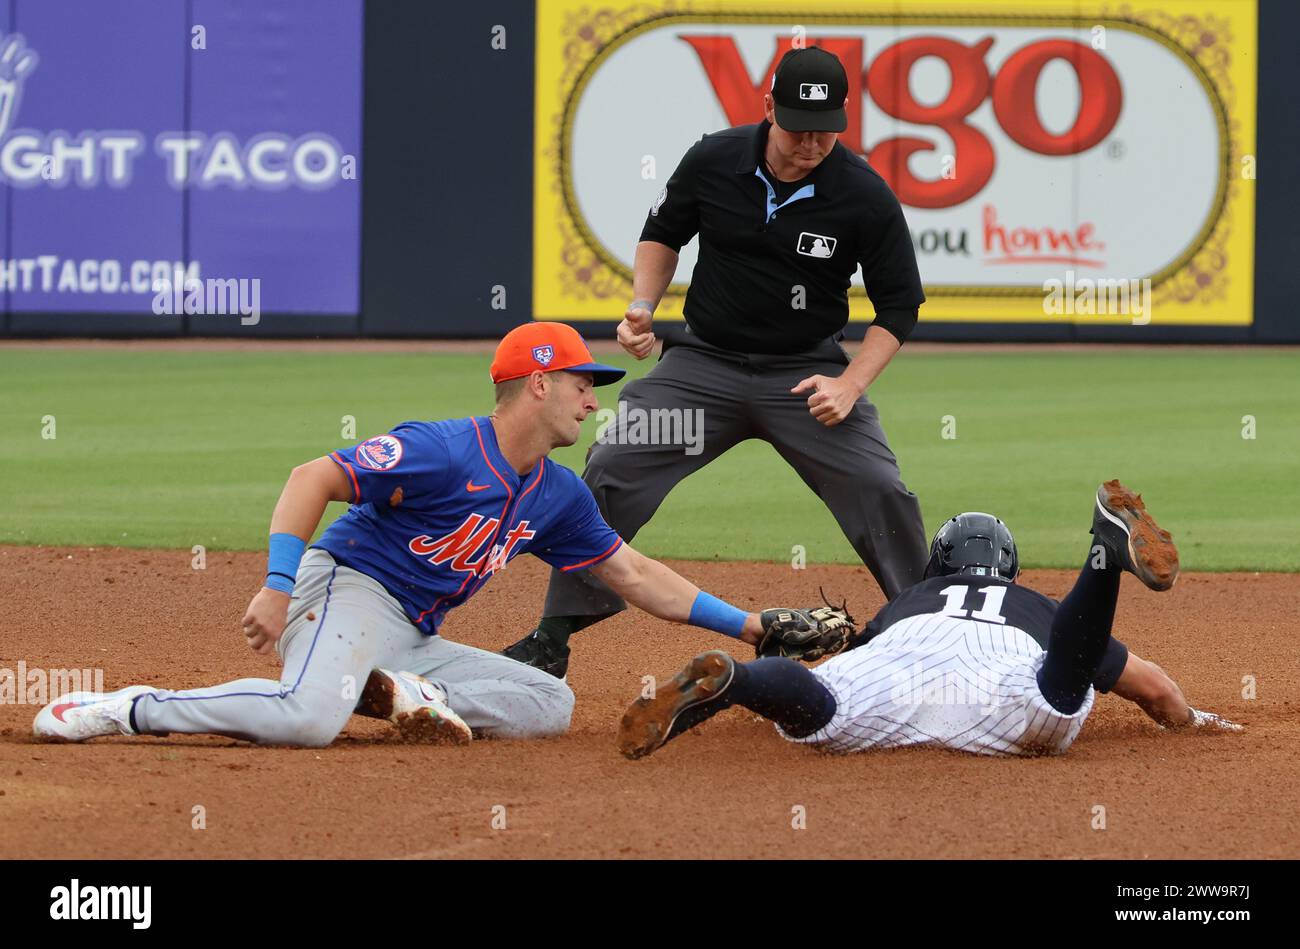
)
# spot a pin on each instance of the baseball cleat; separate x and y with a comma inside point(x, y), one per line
point(649, 722)
point(1126, 531)
point(540, 653)
point(77, 716)
point(416, 706)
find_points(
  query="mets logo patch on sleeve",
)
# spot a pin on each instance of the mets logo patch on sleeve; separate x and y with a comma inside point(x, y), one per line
point(544, 354)
point(379, 453)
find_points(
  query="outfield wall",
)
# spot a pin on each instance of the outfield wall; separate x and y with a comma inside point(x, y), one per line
point(402, 168)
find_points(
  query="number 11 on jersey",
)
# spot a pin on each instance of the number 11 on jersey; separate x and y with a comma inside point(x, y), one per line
point(990, 612)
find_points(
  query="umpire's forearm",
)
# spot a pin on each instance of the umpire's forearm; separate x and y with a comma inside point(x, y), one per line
point(878, 348)
point(652, 270)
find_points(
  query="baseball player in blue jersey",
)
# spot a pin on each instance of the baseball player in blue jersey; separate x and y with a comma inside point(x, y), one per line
point(437, 508)
point(965, 659)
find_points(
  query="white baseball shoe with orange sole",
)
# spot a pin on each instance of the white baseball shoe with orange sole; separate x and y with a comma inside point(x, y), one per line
point(416, 706)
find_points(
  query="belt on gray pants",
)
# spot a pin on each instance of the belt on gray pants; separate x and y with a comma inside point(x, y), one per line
point(828, 350)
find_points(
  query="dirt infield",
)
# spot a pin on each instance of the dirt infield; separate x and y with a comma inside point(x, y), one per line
point(729, 790)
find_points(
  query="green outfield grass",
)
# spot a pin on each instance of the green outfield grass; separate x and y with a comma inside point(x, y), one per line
point(172, 449)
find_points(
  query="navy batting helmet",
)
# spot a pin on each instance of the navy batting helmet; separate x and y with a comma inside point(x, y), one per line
point(974, 544)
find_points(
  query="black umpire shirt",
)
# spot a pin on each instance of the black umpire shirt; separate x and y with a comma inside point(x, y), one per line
point(762, 239)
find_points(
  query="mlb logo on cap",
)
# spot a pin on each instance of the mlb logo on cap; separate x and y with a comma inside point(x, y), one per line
point(809, 89)
point(552, 347)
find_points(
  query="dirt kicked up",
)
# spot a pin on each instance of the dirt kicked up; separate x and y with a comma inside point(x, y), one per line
point(732, 789)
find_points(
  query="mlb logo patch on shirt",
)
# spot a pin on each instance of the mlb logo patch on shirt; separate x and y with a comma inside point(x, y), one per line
point(816, 245)
point(813, 91)
point(544, 354)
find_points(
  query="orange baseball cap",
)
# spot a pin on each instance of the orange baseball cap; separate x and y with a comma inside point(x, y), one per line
point(549, 347)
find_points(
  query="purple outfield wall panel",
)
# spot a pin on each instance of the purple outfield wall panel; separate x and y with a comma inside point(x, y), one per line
point(111, 188)
point(6, 92)
point(100, 78)
point(283, 79)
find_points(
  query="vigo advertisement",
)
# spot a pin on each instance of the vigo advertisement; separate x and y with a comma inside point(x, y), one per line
point(1044, 152)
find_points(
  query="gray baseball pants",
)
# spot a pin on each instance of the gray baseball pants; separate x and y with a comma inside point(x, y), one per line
point(741, 396)
point(342, 624)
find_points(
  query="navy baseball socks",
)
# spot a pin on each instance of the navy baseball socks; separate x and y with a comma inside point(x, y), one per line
point(1126, 538)
point(558, 629)
point(1080, 632)
point(781, 690)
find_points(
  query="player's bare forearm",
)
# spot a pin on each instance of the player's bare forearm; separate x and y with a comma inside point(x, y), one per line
point(298, 512)
point(653, 267)
point(878, 348)
point(657, 589)
point(302, 502)
point(1152, 690)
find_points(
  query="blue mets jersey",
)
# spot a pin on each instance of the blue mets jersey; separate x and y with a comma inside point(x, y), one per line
point(436, 510)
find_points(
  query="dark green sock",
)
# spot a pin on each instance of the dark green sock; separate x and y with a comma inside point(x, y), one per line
point(556, 630)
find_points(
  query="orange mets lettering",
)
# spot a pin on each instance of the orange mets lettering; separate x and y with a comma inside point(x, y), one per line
point(461, 545)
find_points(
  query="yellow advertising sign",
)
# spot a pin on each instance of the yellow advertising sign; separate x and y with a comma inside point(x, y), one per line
point(1052, 158)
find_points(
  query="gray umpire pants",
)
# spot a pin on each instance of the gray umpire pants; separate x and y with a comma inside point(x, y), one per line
point(742, 396)
point(342, 624)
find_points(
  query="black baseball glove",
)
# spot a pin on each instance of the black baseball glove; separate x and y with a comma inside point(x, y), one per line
point(805, 634)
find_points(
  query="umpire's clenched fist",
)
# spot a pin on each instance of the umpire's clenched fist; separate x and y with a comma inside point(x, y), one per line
point(636, 332)
point(832, 398)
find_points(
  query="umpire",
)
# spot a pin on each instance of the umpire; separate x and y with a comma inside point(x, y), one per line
point(785, 214)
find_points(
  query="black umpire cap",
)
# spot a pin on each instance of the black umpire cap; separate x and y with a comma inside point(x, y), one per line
point(809, 88)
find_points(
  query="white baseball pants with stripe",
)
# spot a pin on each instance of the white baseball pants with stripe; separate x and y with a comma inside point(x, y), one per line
point(342, 624)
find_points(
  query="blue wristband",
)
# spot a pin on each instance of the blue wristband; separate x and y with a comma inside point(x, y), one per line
point(283, 555)
point(721, 617)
